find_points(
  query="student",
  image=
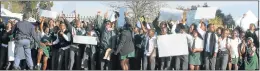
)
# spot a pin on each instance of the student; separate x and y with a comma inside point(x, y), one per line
point(234, 43)
point(165, 61)
point(75, 47)
point(210, 48)
point(150, 51)
point(126, 46)
point(44, 48)
point(195, 58)
point(250, 57)
point(6, 36)
point(223, 50)
point(181, 62)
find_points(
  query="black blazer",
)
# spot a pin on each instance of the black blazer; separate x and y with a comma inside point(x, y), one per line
point(126, 44)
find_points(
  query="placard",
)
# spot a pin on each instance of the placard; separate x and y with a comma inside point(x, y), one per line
point(206, 13)
point(170, 14)
point(172, 45)
point(244, 22)
point(11, 47)
point(85, 40)
point(48, 14)
point(121, 19)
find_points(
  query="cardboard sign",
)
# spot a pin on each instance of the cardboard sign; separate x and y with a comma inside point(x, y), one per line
point(85, 40)
point(170, 14)
point(48, 14)
point(206, 12)
point(11, 47)
point(172, 45)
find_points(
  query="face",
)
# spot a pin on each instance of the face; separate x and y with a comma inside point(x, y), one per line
point(57, 23)
point(211, 28)
point(46, 30)
point(234, 34)
point(164, 31)
point(195, 33)
point(62, 26)
point(203, 27)
point(252, 27)
point(51, 23)
point(249, 41)
point(9, 26)
point(108, 25)
point(191, 28)
point(219, 31)
point(78, 24)
point(182, 31)
point(225, 33)
point(136, 30)
point(151, 33)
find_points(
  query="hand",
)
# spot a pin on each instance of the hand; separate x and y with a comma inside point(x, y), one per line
point(215, 55)
point(230, 59)
point(42, 44)
point(106, 15)
point(61, 33)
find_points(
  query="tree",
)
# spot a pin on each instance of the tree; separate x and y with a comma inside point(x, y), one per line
point(46, 5)
point(139, 8)
point(228, 20)
point(216, 21)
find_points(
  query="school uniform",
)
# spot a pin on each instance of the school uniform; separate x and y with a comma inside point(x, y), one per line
point(195, 58)
point(234, 44)
point(75, 49)
point(222, 57)
point(210, 47)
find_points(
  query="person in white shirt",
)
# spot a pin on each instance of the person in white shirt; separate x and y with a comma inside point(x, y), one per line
point(202, 30)
point(195, 51)
point(223, 50)
point(234, 42)
point(150, 51)
point(210, 48)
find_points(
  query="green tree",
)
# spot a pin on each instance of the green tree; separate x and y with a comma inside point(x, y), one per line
point(46, 5)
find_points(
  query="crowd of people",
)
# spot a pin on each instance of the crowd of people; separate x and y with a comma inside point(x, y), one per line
point(47, 44)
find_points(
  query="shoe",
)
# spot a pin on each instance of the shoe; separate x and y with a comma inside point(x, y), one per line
point(37, 67)
point(16, 68)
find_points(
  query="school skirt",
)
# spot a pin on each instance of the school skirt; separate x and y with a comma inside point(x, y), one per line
point(195, 59)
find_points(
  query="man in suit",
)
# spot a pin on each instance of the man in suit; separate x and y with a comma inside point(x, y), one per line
point(210, 48)
point(24, 33)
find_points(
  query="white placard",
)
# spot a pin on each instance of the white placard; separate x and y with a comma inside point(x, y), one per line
point(48, 14)
point(206, 12)
point(85, 40)
point(112, 17)
point(172, 45)
point(11, 47)
point(170, 14)
point(121, 19)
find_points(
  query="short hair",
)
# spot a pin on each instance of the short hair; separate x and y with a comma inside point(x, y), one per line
point(26, 16)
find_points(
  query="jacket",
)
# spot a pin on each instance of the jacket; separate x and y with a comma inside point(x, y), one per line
point(126, 44)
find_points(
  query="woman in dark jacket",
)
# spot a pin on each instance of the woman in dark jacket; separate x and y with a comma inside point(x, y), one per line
point(126, 47)
point(6, 36)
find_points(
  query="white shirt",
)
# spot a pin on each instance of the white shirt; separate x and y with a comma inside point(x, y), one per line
point(222, 44)
point(198, 43)
point(152, 45)
point(234, 47)
point(208, 42)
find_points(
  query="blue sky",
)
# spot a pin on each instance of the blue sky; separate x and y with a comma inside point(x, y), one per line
point(90, 8)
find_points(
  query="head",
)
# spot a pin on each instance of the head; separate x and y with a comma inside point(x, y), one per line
point(195, 33)
point(234, 33)
point(151, 33)
point(46, 30)
point(9, 26)
point(26, 16)
point(62, 26)
point(211, 27)
point(225, 32)
point(136, 30)
point(51, 23)
point(99, 13)
point(203, 26)
point(108, 25)
point(182, 29)
point(252, 27)
point(250, 40)
point(192, 27)
point(163, 25)
point(78, 23)
point(116, 15)
point(164, 31)
point(57, 23)
point(219, 30)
